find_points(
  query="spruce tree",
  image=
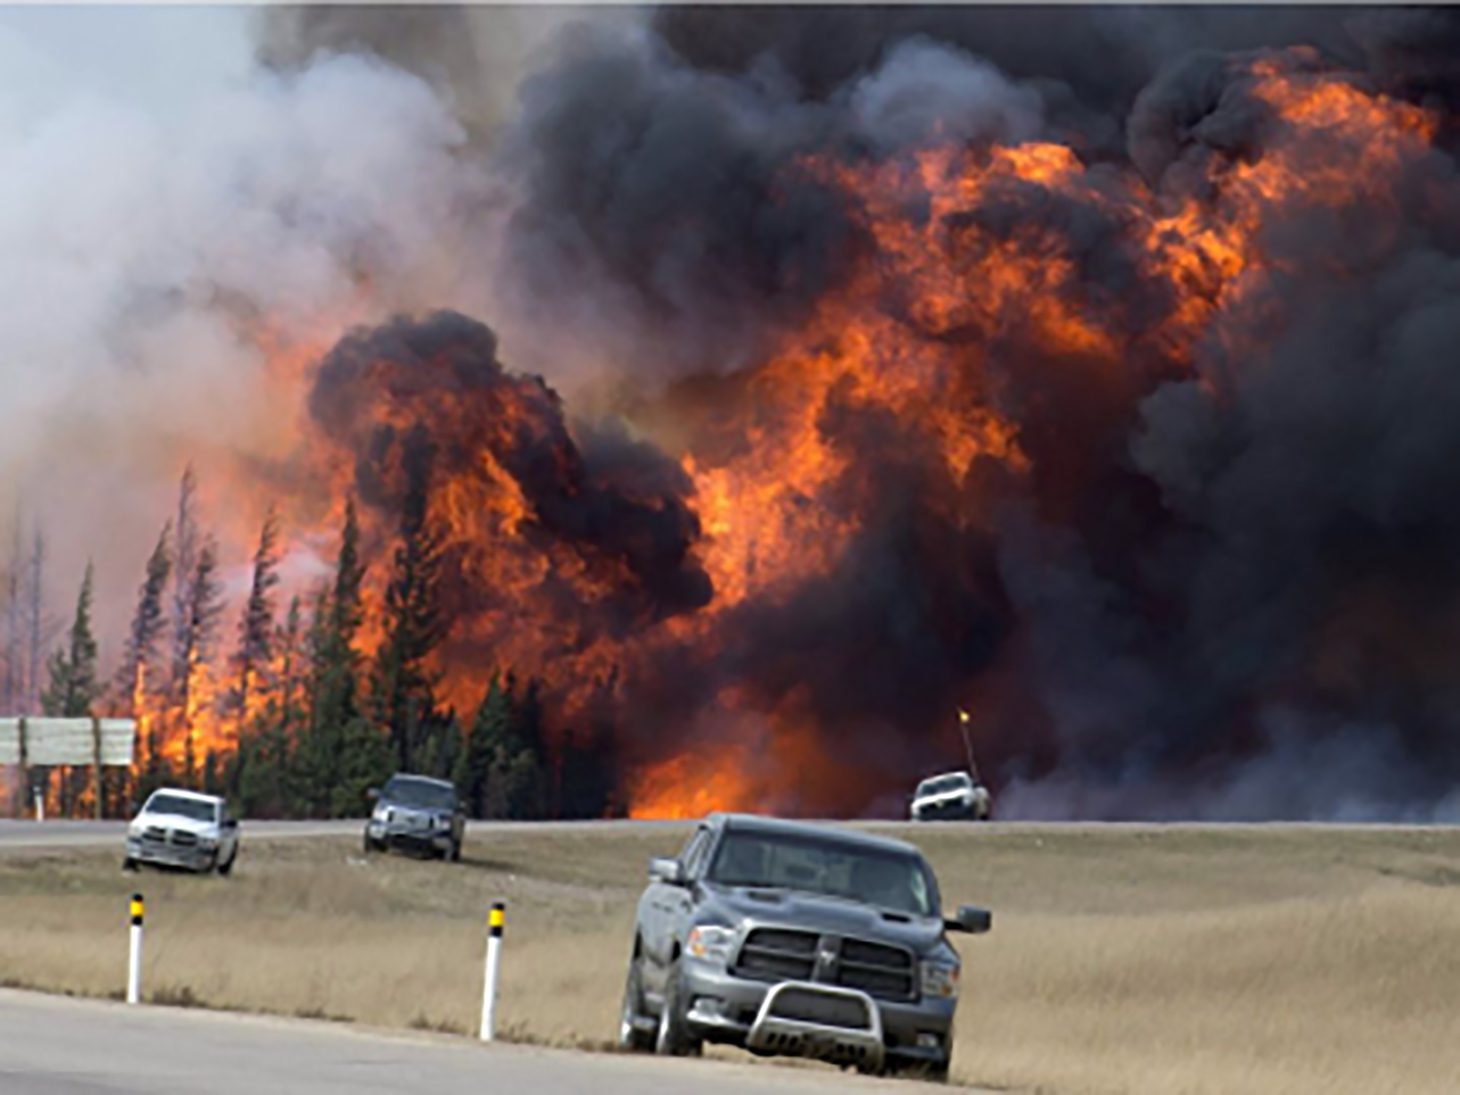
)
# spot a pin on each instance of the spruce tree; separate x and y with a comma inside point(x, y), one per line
point(195, 643)
point(185, 558)
point(490, 733)
point(72, 686)
point(403, 685)
point(147, 622)
point(346, 753)
point(136, 674)
point(256, 630)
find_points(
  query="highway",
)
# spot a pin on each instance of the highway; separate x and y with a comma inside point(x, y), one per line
point(51, 1045)
point(18, 835)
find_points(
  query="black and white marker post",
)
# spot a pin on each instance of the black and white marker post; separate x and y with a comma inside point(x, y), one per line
point(134, 957)
point(495, 923)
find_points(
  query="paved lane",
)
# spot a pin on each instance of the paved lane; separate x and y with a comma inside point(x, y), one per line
point(51, 1045)
point(109, 834)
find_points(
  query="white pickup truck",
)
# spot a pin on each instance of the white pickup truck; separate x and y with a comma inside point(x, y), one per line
point(177, 828)
point(950, 796)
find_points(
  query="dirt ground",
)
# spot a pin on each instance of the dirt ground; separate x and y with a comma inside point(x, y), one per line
point(1123, 958)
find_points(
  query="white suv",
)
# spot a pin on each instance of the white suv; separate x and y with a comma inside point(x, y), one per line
point(177, 828)
point(951, 795)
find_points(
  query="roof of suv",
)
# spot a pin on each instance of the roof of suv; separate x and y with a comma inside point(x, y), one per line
point(421, 779)
point(760, 824)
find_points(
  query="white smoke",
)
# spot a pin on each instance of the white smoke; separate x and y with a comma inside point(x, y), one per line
point(156, 204)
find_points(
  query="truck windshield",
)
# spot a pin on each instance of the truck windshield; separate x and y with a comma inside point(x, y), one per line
point(196, 809)
point(812, 865)
point(418, 792)
point(944, 784)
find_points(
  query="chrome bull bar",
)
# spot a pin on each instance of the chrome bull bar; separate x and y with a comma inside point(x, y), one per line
point(826, 1022)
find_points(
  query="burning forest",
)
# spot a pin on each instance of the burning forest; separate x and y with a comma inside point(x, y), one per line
point(702, 424)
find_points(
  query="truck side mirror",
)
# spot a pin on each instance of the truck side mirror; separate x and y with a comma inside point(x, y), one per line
point(970, 919)
point(667, 870)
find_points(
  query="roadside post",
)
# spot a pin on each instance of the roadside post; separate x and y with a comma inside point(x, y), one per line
point(496, 921)
point(134, 956)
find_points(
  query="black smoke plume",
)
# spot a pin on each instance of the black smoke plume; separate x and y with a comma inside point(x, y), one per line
point(1227, 587)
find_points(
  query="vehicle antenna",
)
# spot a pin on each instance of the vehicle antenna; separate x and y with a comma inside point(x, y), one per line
point(964, 720)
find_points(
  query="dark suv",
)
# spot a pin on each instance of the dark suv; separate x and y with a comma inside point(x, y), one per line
point(798, 940)
point(416, 814)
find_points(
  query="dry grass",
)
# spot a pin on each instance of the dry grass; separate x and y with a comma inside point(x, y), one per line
point(1123, 959)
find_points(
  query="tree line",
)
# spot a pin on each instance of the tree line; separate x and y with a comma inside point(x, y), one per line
point(292, 716)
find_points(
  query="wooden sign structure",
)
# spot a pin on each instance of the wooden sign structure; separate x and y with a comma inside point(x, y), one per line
point(45, 742)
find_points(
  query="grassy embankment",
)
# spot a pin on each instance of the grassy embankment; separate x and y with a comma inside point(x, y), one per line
point(1281, 959)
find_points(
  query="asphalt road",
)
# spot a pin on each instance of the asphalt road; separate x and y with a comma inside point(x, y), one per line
point(52, 1045)
point(102, 834)
point(81, 834)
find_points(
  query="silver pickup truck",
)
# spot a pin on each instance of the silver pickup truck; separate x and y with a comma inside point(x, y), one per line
point(799, 940)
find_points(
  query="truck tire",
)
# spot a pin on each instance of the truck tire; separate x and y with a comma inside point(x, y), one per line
point(630, 1038)
point(226, 869)
point(674, 1038)
point(455, 851)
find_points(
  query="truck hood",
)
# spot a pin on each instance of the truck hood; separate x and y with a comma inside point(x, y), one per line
point(413, 815)
point(833, 915)
point(964, 795)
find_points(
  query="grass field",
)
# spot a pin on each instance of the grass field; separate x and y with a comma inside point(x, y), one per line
point(1123, 959)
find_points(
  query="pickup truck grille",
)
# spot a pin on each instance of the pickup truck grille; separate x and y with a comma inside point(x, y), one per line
point(786, 954)
point(156, 834)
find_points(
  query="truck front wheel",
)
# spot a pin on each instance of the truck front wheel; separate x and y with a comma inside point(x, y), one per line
point(674, 1038)
point(632, 1038)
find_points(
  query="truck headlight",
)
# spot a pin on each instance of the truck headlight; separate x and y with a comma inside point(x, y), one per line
point(710, 942)
point(207, 843)
point(940, 980)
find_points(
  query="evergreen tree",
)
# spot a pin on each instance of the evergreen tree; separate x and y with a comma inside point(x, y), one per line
point(403, 686)
point(72, 687)
point(527, 771)
point(147, 622)
point(135, 675)
point(185, 558)
point(256, 630)
point(204, 606)
point(346, 753)
point(291, 658)
point(490, 734)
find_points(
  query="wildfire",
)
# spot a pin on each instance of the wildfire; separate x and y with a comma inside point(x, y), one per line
point(989, 276)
